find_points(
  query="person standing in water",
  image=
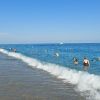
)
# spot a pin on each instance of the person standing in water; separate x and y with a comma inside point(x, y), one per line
point(86, 64)
point(75, 60)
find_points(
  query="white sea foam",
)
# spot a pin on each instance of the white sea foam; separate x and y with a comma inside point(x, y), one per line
point(84, 82)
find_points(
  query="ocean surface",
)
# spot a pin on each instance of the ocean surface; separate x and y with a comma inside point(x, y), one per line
point(57, 60)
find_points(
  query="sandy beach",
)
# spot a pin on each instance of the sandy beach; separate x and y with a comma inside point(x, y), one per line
point(18, 81)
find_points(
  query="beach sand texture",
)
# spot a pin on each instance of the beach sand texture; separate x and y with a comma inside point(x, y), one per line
point(18, 81)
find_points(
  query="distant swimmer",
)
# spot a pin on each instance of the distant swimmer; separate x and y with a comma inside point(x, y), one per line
point(14, 50)
point(57, 54)
point(75, 61)
point(86, 64)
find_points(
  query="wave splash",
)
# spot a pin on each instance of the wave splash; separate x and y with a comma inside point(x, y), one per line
point(88, 84)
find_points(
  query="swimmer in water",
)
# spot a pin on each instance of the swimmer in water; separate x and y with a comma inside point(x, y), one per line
point(75, 61)
point(57, 54)
point(14, 50)
point(86, 64)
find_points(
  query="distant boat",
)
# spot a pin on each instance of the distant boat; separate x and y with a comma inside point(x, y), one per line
point(61, 43)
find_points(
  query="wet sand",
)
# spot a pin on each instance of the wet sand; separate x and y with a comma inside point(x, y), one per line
point(18, 81)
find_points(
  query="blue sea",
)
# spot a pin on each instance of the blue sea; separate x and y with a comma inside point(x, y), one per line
point(57, 59)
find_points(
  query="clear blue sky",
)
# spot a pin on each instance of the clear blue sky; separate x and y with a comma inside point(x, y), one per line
point(36, 21)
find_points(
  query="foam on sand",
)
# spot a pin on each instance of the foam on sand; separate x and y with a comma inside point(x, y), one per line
point(86, 83)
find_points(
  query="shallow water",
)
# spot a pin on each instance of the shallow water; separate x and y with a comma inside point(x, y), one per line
point(18, 81)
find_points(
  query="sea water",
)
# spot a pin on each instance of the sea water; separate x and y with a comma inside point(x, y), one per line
point(57, 59)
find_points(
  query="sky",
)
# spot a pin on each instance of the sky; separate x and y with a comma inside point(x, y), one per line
point(49, 21)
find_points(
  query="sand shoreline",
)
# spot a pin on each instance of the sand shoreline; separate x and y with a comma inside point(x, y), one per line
point(18, 81)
